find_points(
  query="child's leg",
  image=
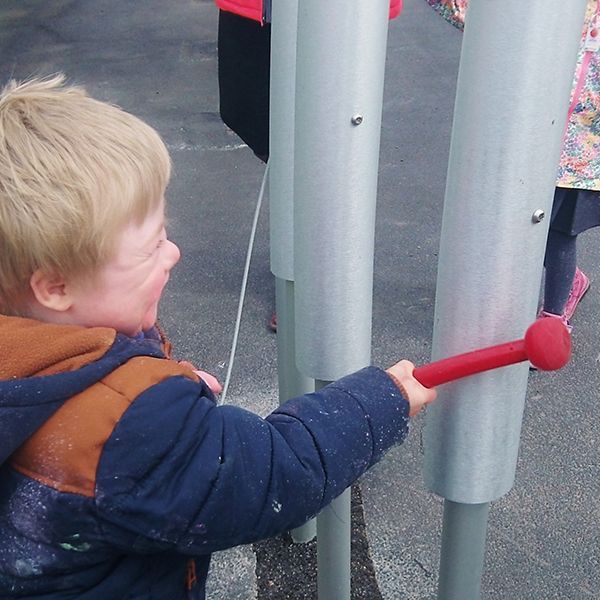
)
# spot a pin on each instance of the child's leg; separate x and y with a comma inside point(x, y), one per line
point(560, 263)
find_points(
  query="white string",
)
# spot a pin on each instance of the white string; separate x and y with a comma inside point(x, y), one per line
point(238, 319)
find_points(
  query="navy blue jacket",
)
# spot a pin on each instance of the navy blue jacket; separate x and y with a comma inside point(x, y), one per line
point(119, 475)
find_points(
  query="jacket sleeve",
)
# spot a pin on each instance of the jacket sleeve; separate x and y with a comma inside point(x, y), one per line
point(454, 11)
point(182, 474)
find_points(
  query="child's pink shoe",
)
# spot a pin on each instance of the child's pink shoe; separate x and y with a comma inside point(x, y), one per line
point(273, 323)
point(581, 284)
point(546, 315)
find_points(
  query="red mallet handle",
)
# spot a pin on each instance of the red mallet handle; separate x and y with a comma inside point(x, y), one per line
point(547, 345)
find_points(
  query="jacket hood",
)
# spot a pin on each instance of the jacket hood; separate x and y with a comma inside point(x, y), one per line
point(43, 364)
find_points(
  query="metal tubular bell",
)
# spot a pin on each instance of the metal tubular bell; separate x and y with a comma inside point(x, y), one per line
point(284, 19)
point(340, 66)
point(514, 82)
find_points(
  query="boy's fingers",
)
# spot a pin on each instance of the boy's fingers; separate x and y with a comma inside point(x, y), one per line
point(417, 394)
point(211, 381)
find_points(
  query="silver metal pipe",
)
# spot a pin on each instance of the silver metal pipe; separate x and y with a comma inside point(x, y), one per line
point(339, 73)
point(510, 112)
point(291, 382)
point(463, 550)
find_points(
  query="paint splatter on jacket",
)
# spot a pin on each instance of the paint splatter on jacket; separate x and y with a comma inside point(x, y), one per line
point(119, 475)
point(580, 159)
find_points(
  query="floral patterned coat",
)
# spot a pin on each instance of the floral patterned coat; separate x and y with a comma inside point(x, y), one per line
point(580, 159)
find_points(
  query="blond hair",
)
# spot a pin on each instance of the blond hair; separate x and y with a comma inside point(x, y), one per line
point(73, 172)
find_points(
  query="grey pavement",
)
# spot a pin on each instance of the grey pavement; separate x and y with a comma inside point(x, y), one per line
point(158, 60)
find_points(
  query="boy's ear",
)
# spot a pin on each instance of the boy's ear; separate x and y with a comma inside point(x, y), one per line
point(50, 290)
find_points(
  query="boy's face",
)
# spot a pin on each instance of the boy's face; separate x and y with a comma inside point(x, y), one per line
point(125, 293)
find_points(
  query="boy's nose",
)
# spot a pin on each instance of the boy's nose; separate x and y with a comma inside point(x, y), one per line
point(174, 253)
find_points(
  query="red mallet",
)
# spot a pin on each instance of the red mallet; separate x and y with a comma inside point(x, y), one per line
point(547, 345)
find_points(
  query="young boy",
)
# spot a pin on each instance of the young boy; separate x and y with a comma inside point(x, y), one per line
point(119, 475)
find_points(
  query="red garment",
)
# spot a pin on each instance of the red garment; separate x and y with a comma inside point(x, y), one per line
point(253, 9)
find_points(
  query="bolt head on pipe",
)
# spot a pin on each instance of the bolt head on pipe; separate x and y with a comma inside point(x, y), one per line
point(538, 216)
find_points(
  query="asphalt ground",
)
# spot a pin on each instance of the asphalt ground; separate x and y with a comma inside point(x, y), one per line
point(158, 60)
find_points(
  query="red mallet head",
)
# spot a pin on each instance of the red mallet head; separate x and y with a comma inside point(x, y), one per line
point(548, 344)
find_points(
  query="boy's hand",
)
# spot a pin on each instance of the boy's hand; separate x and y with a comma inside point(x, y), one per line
point(416, 394)
point(210, 380)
